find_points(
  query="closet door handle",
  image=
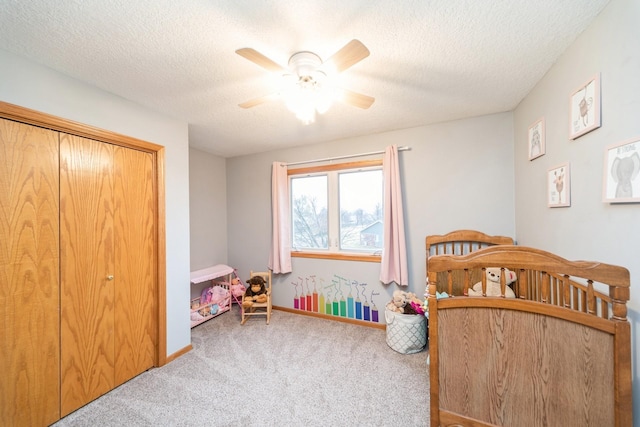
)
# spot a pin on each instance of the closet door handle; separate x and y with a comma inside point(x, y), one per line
point(110, 277)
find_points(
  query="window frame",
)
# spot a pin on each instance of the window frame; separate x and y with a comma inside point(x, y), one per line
point(327, 254)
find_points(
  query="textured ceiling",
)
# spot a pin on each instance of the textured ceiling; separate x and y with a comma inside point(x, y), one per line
point(430, 61)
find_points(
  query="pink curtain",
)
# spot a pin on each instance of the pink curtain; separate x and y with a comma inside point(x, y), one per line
point(280, 257)
point(393, 266)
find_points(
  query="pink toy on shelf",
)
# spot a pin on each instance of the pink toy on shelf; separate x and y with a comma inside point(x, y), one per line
point(238, 289)
point(219, 295)
point(205, 296)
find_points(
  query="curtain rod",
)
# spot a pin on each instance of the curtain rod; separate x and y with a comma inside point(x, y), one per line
point(327, 159)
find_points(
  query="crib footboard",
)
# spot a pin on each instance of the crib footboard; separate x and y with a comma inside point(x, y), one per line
point(531, 362)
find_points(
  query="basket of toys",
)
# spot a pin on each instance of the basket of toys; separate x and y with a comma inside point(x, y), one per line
point(406, 323)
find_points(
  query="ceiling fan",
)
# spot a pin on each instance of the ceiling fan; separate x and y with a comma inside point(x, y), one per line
point(307, 88)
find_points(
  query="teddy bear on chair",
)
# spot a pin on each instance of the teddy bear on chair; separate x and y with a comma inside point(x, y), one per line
point(255, 293)
point(493, 283)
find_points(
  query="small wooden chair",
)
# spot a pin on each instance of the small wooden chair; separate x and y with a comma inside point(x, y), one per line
point(263, 308)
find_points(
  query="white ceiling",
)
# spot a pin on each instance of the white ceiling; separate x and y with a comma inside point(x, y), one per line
point(430, 61)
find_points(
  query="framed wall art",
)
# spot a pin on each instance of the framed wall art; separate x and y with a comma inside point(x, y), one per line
point(535, 139)
point(559, 186)
point(585, 108)
point(621, 176)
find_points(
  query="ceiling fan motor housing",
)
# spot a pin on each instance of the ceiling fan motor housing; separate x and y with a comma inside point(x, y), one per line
point(305, 64)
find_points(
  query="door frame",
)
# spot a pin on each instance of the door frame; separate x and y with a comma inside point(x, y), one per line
point(36, 118)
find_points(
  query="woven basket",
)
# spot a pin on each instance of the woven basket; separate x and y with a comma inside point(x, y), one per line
point(406, 333)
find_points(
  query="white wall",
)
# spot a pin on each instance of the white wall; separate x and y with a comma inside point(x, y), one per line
point(33, 86)
point(207, 209)
point(456, 175)
point(589, 229)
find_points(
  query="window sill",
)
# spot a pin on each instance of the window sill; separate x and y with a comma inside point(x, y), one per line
point(337, 256)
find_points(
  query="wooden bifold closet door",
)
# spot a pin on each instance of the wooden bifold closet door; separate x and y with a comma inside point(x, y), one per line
point(81, 273)
point(107, 268)
point(29, 276)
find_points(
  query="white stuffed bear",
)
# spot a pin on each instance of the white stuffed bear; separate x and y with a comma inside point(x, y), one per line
point(398, 302)
point(493, 284)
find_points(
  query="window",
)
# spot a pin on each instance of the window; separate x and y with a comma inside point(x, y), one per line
point(336, 211)
point(309, 214)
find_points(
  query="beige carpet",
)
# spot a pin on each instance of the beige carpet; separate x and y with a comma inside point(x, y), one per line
point(298, 370)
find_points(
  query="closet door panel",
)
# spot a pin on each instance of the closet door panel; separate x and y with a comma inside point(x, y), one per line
point(135, 260)
point(29, 284)
point(87, 264)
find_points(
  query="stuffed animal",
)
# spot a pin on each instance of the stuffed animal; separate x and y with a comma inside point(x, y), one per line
point(219, 296)
point(405, 303)
point(205, 296)
point(237, 288)
point(398, 302)
point(417, 306)
point(414, 304)
point(493, 283)
point(255, 293)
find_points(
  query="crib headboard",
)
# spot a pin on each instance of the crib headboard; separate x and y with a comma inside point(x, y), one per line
point(559, 354)
point(461, 242)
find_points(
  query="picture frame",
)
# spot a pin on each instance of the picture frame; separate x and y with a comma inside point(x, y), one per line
point(585, 108)
point(621, 173)
point(536, 139)
point(559, 186)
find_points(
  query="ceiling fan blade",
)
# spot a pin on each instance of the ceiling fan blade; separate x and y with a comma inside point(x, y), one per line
point(259, 59)
point(257, 101)
point(352, 53)
point(356, 99)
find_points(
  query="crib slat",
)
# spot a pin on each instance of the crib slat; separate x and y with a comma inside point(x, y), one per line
point(604, 309)
point(537, 288)
point(545, 287)
point(570, 295)
point(484, 282)
point(583, 301)
point(591, 298)
point(565, 290)
point(575, 303)
point(466, 284)
point(521, 284)
point(531, 286)
point(567, 295)
point(503, 283)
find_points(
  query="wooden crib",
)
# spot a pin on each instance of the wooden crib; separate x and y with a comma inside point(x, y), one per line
point(557, 355)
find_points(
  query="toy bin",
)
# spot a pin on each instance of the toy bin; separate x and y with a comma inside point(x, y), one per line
point(406, 333)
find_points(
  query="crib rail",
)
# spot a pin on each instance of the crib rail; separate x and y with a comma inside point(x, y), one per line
point(462, 242)
point(563, 291)
point(541, 277)
point(549, 288)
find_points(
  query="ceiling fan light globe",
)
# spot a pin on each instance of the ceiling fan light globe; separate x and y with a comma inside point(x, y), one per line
point(323, 102)
point(306, 115)
point(292, 98)
point(326, 96)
